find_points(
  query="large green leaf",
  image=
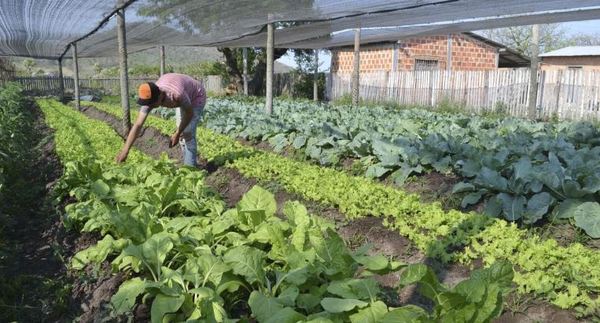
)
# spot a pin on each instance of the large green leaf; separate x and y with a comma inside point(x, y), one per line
point(299, 142)
point(340, 305)
point(491, 179)
point(374, 263)
point(472, 198)
point(333, 253)
point(420, 273)
point(285, 315)
point(363, 289)
point(262, 306)
point(125, 298)
point(462, 187)
point(377, 170)
point(374, 313)
point(406, 314)
point(258, 199)
point(163, 305)
point(587, 217)
point(513, 207)
point(566, 209)
point(100, 188)
point(97, 253)
point(248, 262)
point(537, 207)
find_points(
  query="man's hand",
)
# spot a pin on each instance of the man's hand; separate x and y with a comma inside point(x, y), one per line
point(122, 156)
point(174, 139)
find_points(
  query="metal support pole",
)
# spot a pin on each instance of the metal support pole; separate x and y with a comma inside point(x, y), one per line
point(76, 78)
point(316, 78)
point(61, 81)
point(533, 81)
point(245, 57)
point(121, 38)
point(269, 92)
point(162, 60)
point(356, 73)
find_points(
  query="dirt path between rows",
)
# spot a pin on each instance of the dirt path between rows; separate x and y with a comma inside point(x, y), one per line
point(232, 185)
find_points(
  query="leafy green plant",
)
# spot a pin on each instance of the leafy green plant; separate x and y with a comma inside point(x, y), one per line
point(189, 255)
point(446, 235)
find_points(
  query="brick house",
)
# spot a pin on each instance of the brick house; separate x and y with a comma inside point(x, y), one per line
point(464, 51)
point(574, 57)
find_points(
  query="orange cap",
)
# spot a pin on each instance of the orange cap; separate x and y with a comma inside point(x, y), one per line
point(148, 93)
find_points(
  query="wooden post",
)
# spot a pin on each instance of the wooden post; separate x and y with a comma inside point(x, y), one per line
point(449, 53)
point(245, 76)
point(533, 80)
point(122, 40)
point(542, 90)
point(557, 90)
point(486, 90)
point(162, 61)
point(269, 92)
point(61, 81)
point(356, 73)
point(316, 78)
point(76, 78)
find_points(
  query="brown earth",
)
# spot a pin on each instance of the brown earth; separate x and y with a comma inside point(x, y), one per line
point(232, 185)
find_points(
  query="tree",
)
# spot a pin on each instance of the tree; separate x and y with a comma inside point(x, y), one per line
point(97, 69)
point(7, 69)
point(585, 40)
point(552, 37)
point(257, 67)
point(28, 65)
point(305, 72)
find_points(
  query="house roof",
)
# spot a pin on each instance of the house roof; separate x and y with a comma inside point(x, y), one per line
point(574, 51)
point(508, 56)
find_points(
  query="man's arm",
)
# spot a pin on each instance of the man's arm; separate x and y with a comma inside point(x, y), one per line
point(133, 134)
point(187, 113)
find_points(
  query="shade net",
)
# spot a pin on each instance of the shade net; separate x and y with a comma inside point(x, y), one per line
point(45, 28)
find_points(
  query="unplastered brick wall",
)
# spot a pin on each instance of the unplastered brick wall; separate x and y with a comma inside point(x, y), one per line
point(564, 62)
point(372, 58)
point(467, 54)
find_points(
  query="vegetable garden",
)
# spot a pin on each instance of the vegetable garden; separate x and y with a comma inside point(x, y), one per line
point(177, 246)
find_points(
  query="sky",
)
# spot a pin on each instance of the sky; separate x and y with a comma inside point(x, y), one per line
point(572, 28)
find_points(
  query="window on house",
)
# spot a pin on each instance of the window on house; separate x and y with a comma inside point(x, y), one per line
point(426, 64)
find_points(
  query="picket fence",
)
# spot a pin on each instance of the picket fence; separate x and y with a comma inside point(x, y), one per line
point(50, 85)
point(566, 94)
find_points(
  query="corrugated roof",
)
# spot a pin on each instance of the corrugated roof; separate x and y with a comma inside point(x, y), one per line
point(574, 51)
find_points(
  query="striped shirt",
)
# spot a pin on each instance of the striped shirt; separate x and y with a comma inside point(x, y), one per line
point(182, 89)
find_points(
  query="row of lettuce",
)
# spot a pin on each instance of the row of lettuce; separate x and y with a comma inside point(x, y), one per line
point(181, 250)
point(14, 119)
point(524, 171)
point(567, 276)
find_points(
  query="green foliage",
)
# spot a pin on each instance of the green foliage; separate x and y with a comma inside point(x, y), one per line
point(521, 169)
point(13, 138)
point(191, 256)
point(144, 71)
point(544, 268)
point(202, 69)
point(29, 64)
point(304, 85)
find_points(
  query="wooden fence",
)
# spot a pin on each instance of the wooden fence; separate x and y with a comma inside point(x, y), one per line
point(567, 94)
point(50, 85)
point(283, 84)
